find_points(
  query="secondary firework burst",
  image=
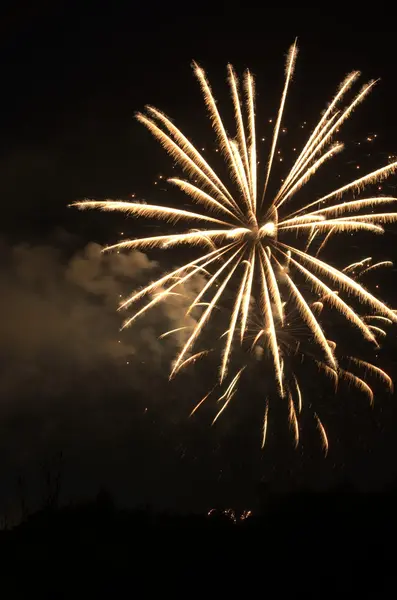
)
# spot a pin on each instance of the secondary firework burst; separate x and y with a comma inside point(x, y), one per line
point(298, 353)
point(258, 238)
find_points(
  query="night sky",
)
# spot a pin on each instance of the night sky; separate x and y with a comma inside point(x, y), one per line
point(69, 381)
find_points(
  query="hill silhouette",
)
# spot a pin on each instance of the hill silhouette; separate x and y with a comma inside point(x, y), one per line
point(338, 542)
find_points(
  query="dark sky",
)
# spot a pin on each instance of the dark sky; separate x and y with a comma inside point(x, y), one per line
point(71, 80)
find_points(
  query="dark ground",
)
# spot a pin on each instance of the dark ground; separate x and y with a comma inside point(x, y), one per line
point(337, 543)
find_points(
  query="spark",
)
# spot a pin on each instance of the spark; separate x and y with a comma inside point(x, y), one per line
point(377, 317)
point(331, 373)
point(290, 65)
point(377, 329)
point(319, 129)
point(163, 335)
point(311, 321)
point(201, 402)
point(245, 247)
point(384, 263)
point(293, 420)
point(359, 383)
point(356, 264)
point(322, 433)
point(192, 359)
point(264, 429)
point(230, 392)
point(375, 370)
point(299, 394)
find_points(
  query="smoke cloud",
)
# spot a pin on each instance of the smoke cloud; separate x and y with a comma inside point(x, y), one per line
point(70, 379)
point(61, 314)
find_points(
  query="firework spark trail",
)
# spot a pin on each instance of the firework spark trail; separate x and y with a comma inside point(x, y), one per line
point(357, 185)
point(264, 429)
point(377, 317)
point(184, 159)
point(247, 295)
point(313, 233)
point(334, 128)
point(299, 394)
point(193, 358)
point(231, 386)
point(345, 282)
point(161, 296)
point(359, 383)
point(273, 286)
point(322, 433)
point(253, 234)
point(210, 282)
point(297, 168)
point(289, 70)
point(318, 305)
point(308, 173)
point(250, 92)
point(160, 282)
point(375, 218)
point(331, 373)
point(335, 300)
point(351, 205)
point(233, 322)
point(230, 392)
point(384, 263)
point(193, 153)
point(241, 177)
point(203, 319)
point(202, 197)
point(269, 320)
point(218, 125)
point(377, 329)
point(375, 370)
point(360, 263)
point(201, 402)
point(167, 333)
point(335, 224)
point(311, 321)
point(172, 215)
point(321, 127)
point(240, 127)
point(257, 338)
point(168, 241)
point(324, 242)
point(293, 419)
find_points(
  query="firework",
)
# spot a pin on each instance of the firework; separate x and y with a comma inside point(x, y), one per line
point(260, 234)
